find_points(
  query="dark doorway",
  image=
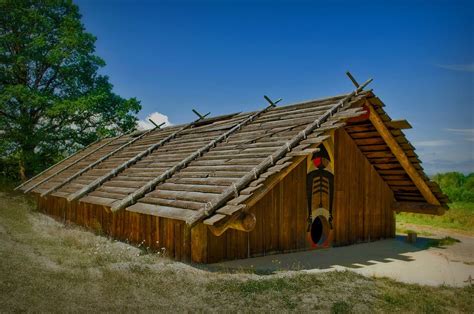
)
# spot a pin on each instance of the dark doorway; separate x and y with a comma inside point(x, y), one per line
point(319, 230)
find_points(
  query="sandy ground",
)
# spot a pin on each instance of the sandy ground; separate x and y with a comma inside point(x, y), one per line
point(452, 265)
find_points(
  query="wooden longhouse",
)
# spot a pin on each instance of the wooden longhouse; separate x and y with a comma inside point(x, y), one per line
point(311, 175)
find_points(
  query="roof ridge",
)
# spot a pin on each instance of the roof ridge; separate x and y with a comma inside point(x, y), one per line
point(304, 102)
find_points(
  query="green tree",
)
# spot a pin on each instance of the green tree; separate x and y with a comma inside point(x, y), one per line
point(456, 185)
point(52, 99)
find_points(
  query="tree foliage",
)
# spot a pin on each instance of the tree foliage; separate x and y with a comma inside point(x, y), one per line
point(456, 185)
point(52, 98)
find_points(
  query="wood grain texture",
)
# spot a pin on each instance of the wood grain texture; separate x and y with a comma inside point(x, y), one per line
point(363, 205)
point(362, 212)
point(402, 157)
point(161, 234)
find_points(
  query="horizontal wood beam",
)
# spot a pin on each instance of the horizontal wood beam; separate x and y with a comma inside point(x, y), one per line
point(243, 222)
point(401, 156)
point(398, 124)
point(418, 208)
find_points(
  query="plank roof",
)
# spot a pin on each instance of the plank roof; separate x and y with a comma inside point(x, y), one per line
point(187, 192)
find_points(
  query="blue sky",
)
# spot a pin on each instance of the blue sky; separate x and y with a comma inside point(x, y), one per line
point(223, 56)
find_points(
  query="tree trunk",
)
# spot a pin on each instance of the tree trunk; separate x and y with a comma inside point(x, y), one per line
point(25, 163)
point(21, 169)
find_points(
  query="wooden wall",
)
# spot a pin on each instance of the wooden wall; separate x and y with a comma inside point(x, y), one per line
point(363, 201)
point(362, 212)
point(281, 223)
point(155, 232)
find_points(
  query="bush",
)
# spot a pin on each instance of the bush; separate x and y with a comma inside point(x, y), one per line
point(9, 169)
point(457, 186)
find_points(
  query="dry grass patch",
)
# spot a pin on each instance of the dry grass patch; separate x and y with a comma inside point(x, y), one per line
point(48, 267)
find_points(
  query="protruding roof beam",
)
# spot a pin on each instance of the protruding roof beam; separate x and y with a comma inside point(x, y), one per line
point(398, 124)
point(402, 158)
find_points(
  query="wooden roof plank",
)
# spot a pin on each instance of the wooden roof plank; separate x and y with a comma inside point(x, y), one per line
point(103, 158)
point(268, 162)
point(161, 211)
point(399, 124)
point(215, 218)
point(132, 198)
point(401, 156)
point(75, 162)
point(229, 209)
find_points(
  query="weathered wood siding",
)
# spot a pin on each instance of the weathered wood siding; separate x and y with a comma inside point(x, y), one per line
point(154, 232)
point(281, 223)
point(363, 201)
point(362, 212)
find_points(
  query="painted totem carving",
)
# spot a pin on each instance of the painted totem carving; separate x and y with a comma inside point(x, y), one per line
point(320, 195)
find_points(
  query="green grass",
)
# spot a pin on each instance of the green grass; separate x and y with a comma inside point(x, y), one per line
point(402, 230)
point(460, 217)
point(443, 242)
point(48, 267)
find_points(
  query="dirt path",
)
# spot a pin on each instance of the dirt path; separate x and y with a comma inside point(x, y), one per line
point(451, 265)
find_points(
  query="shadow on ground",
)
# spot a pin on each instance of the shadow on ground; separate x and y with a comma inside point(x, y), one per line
point(352, 256)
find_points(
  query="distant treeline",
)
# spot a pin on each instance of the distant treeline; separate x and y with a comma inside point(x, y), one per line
point(458, 187)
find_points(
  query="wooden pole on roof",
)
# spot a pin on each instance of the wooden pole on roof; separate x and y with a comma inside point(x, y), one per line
point(150, 185)
point(57, 164)
point(70, 165)
point(80, 172)
point(156, 125)
point(352, 79)
point(201, 116)
point(230, 192)
point(271, 102)
point(99, 181)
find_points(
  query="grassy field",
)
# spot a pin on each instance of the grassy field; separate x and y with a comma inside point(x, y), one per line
point(46, 266)
point(460, 217)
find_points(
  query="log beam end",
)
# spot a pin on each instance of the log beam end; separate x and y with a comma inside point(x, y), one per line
point(244, 222)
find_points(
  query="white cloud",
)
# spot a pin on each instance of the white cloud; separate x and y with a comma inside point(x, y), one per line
point(157, 117)
point(432, 143)
point(462, 131)
point(468, 134)
point(458, 67)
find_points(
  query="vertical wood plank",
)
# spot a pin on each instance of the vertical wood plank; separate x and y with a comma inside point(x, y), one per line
point(199, 243)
